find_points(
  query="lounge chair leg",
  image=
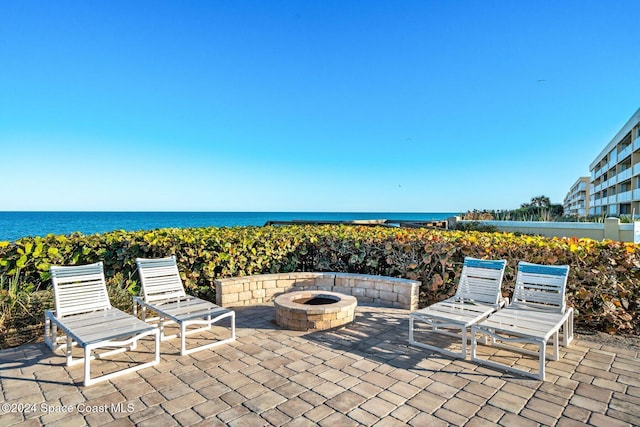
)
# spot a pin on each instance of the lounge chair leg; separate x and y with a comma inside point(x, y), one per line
point(47, 331)
point(161, 327)
point(183, 339)
point(50, 332)
point(473, 343)
point(54, 335)
point(157, 338)
point(233, 326)
point(87, 365)
point(567, 329)
point(543, 359)
point(69, 355)
point(463, 353)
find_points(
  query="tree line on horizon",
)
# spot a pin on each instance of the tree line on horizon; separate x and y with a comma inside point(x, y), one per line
point(539, 208)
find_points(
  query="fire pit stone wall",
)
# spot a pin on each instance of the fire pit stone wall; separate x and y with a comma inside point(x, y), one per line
point(264, 288)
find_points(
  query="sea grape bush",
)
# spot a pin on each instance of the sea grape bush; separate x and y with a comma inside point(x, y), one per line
point(603, 283)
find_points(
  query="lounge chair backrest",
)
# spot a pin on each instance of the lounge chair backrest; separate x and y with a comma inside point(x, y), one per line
point(541, 286)
point(480, 280)
point(160, 279)
point(79, 289)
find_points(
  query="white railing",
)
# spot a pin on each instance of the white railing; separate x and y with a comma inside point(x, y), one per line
point(612, 229)
point(625, 174)
point(597, 173)
point(624, 153)
point(624, 196)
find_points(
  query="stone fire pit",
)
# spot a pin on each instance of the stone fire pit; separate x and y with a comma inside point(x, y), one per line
point(314, 310)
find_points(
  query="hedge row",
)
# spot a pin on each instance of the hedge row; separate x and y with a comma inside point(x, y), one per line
point(603, 283)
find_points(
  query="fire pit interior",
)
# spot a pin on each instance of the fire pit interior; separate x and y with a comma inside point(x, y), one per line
point(314, 310)
point(317, 300)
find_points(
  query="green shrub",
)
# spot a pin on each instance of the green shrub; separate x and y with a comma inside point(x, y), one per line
point(476, 226)
point(21, 310)
point(603, 282)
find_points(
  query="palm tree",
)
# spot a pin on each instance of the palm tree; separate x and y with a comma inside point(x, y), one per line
point(538, 202)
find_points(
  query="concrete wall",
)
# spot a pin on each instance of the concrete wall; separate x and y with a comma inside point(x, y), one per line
point(611, 229)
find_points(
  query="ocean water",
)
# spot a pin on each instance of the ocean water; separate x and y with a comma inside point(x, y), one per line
point(14, 225)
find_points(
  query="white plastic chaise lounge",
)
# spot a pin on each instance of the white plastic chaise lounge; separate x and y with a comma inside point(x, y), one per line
point(477, 296)
point(537, 314)
point(85, 315)
point(162, 291)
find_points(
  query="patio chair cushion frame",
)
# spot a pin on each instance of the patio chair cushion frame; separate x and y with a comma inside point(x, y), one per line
point(162, 291)
point(538, 316)
point(85, 315)
point(477, 296)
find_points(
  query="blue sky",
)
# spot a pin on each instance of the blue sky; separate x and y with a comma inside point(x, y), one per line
point(382, 106)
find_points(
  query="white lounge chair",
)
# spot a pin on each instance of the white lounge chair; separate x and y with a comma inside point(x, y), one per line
point(478, 295)
point(537, 314)
point(85, 315)
point(163, 292)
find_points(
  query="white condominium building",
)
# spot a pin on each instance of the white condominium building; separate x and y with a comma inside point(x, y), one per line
point(577, 200)
point(615, 174)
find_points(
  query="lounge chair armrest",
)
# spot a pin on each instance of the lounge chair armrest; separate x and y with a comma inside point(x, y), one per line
point(51, 316)
point(139, 301)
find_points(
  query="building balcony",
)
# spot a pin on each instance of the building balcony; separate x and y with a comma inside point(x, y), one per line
point(636, 194)
point(610, 182)
point(612, 199)
point(636, 169)
point(624, 175)
point(636, 144)
point(597, 173)
point(624, 196)
point(626, 152)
